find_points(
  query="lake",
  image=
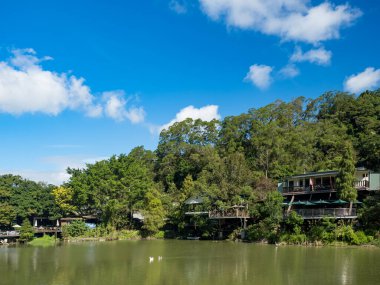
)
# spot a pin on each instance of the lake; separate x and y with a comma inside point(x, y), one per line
point(187, 262)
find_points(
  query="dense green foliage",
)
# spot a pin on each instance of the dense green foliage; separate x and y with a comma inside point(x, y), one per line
point(21, 198)
point(75, 229)
point(236, 161)
point(26, 231)
point(43, 241)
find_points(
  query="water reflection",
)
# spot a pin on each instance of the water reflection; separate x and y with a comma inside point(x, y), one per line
point(187, 262)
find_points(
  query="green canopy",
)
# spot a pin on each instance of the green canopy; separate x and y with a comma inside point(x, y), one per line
point(308, 203)
point(285, 204)
point(358, 202)
point(194, 201)
point(339, 202)
point(299, 203)
point(321, 202)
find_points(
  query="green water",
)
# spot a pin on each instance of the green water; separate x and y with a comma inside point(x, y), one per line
point(187, 262)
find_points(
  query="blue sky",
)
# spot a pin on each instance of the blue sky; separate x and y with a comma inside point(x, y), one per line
point(82, 80)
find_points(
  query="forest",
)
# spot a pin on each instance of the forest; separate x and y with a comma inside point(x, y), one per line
point(235, 161)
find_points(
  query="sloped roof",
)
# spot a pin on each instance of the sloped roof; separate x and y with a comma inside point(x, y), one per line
point(194, 200)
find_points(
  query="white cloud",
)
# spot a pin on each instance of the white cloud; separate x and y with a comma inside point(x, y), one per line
point(206, 113)
point(289, 71)
point(115, 108)
point(54, 168)
point(295, 20)
point(259, 75)
point(178, 7)
point(318, 56)
point(366, 80)
point(26, 87)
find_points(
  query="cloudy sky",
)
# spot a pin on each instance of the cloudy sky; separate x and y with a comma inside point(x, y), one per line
point(82, 80)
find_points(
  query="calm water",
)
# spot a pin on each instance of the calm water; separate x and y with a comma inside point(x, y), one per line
point(187, 262)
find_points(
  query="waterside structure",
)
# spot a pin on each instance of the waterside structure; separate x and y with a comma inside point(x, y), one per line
point(314, 195)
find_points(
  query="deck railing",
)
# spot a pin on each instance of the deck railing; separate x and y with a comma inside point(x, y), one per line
point(359, 185)
point(9, 234)
point(326, 212)
point(229, 213)
point(46, 229)
point(300, 189)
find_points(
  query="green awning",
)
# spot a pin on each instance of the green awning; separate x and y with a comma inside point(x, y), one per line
point(299, 203)
point(308, 203)
point(358, 202)
point(194, 201)
point(321, 202)
point(339, 202)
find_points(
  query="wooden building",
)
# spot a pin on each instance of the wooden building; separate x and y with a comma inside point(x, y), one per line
point(313, 195)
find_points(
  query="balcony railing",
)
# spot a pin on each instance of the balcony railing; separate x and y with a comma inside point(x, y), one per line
point(359, 185)
point(229, 213)
point(9, 234)
point(364, 184)
point(299, 189)
point(326, 212)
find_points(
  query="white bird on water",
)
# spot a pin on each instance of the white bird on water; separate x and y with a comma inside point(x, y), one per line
point(159, 258)
point(151, 259)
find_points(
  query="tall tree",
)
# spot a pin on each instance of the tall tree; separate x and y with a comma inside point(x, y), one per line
point(346, 176)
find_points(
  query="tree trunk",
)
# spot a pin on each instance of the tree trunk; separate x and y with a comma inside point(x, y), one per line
point(350, 210)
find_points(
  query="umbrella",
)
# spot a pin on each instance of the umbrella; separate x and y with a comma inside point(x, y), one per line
point(320, 202)
point(16, 226)
point(299, 203)
point(194, 201)
point(339, 202)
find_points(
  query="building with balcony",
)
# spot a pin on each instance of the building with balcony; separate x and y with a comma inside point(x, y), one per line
point(313, 195)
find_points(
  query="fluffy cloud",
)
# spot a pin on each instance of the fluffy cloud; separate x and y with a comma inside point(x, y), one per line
point(178, 7)
point(26, 87)
point(206, 113)
point(318, 56)
point(53, 168)
point(115, 108)
point(295, 20)
point(366, 80)
point(259, 75)
point(289, 71)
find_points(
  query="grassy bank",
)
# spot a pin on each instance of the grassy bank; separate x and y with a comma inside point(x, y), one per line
point(44, 241)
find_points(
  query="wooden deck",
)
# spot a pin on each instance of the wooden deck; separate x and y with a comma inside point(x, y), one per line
point(40, 230)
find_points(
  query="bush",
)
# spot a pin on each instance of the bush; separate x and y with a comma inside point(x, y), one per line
point(363, 238)
point(263, 231)
point(129, 234)
point(159, 235)
point(294, 223)
point(75, 229)
point(347, 234)
point(294, 238)
point(43, 241)
point(26, 231)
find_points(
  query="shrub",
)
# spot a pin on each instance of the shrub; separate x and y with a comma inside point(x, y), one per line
point(43, 241)
point(26, 231)
point(129, 234)
point(347, 234)
point(294, 238)
point(159, 235)
point(75, 229)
